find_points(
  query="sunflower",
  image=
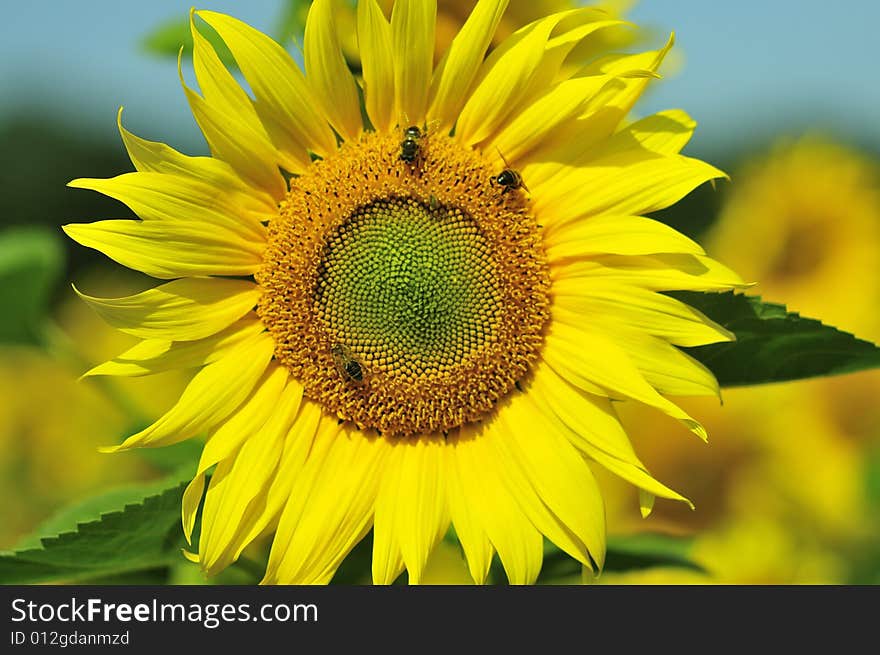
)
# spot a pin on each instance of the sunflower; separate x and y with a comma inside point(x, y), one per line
point(811, 210)
point(415, 316)
point(804, 219)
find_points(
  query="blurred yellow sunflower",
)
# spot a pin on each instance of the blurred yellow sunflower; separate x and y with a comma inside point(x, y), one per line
point(758, 523)
point(805, 221)
point(400, 328)
point(50, 426)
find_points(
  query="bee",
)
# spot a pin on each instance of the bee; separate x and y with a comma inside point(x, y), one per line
point(411, 147)
point(349, 367)
point(509, 178)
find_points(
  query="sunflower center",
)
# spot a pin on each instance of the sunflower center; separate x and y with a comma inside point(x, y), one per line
point(408, 288)
point(406, 293)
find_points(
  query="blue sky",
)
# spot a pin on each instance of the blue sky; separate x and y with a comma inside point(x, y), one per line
point(751, 68)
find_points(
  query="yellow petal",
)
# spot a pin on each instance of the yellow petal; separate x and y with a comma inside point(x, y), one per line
point(171, 249)
point(217, 84)
point(223, 94)
point(327, 73)
point(388, 561)
point(530, 126)
point(619, 103)
point(617, 235)
point(471, 534)
point(666, 368)
point(661, 272)
point(576, 141)
point(551, 71)
point(164, 197)
point(454, 76)
point(237, 494)
point(503, 81)
point(412, 42)
point(330, 507)
point(553, 485)
point(297, 446)
point(189, 508)
point(591, 424)
point(518, 542)
point(208, 398)
point(182, 310)
point(244, 149)
point(663, 366)
point(614, 305)
point(586, 359)
point(155, 157)
point(629, 182)
point(284, 102)
point(377, 64)
point(665, 133)
point(583, 24)
point(156, 355)
point(520, 68)
point(250, 417)
point(411, 508)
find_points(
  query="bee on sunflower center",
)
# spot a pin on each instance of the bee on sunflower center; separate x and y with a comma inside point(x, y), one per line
point(346, 363)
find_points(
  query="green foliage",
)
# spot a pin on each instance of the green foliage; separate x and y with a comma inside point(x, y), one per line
point(31, 262)
point(864, 555)
point(168, 38)
point(648, 550)
point(357, 566)
point(143, 536)
point(177, 460)
point(91, 509)
point(624, 553)
point(773, 344)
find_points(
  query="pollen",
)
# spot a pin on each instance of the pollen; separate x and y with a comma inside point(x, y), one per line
point(407, 296)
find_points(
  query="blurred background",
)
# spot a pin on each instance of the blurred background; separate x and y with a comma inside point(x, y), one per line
point(785, 94)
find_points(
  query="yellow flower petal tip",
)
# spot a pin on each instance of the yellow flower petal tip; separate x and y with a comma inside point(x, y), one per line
point(422, 319)
point(191, 557)
point(109, 450)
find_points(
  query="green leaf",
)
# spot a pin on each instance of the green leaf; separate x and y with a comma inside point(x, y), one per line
point(91, 509)
point(773, 344)
point(31, 262)
point(144, 535)
point(648, 550)
point(624, 553)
